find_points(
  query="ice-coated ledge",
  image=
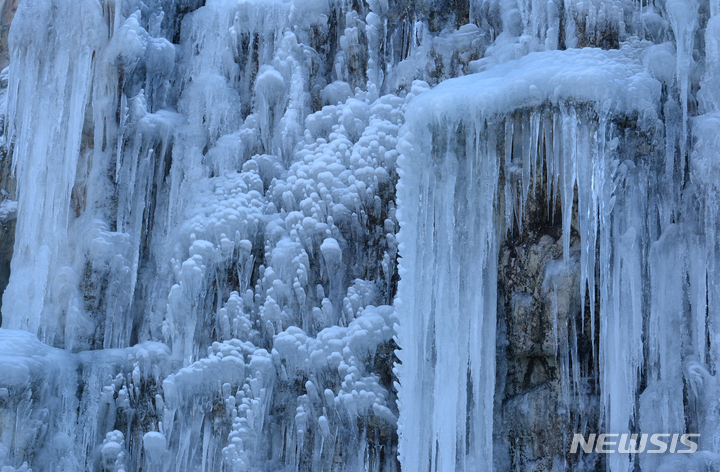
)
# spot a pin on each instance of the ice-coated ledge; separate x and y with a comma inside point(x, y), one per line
point(579, 75)
point(23, 358)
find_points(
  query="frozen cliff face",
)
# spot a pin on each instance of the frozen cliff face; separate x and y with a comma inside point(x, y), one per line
point(204, 203)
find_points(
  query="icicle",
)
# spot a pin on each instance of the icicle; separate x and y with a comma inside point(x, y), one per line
point(661, 404)
point(557, 155)
point(589, 187)
point(529, 147)
point(549, 159)
point(508, 166)
point(683, 18)
point(697, 274)
point(568, 175)
point(708, 96)
point(526, 154)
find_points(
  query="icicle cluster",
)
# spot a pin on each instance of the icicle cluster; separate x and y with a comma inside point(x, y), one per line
point(607, 129)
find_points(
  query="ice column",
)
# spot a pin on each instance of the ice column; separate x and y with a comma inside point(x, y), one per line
point(620, 258)
point(53, 45)
point(447, 295)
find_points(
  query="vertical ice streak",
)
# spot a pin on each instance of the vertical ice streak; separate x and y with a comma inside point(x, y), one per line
point(53, 46)
point(621, 310)
point(661, 404)
point(568, 173)
point(683, 18)
point(447, 297)
point(704, 261)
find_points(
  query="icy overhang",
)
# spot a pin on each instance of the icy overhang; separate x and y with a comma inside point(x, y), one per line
point(615, 80)
point(26, 362)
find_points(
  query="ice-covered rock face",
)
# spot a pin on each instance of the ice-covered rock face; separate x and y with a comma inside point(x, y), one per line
point(207, 220)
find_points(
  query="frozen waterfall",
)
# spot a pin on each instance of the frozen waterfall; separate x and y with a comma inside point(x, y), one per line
point(378, 235)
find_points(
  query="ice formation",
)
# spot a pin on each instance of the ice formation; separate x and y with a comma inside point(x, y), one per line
point(646, 235)
point(266, 234)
